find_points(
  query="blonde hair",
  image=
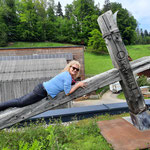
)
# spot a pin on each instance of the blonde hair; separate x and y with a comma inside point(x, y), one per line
point(73, 62)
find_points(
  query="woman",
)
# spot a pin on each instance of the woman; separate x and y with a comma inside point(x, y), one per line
point(61, 82)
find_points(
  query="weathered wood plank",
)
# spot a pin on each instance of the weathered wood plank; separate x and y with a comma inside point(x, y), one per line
point(15, 115)
point(120, 61)
point(135, 100)
point(26, 74)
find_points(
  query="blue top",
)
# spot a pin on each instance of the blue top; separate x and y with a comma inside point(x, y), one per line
point(61, 82)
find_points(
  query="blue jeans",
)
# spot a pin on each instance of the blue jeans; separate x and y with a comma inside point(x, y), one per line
point(36, 95)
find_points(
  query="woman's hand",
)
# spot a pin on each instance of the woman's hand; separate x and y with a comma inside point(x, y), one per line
point(82, 84)
point(76, 86)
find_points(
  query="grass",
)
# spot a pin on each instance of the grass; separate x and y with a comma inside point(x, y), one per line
point(81, 135)
point(34, 44)
point(121, 96)
point(96, 63)
point(138, 51)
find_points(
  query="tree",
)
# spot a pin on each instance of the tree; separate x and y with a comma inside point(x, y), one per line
point(64, 30)
point(51, 22)
point(126, 23)
point(32, 20)
point(141, 32)
point(40, 24)
point(69, 11)
point(96, 42)
point(3, 35)
point(142, 37)
point(3, 26)
point(28, 18)
point(139, 37)
point(59, 10)
point(129, 36)
point(82, 11)
point(83, 8)
point(10, 18)
point(147, 40)
point(89, 23)
point(107, 5)
point(51, 11)
point(145, 33)
point(40, 20)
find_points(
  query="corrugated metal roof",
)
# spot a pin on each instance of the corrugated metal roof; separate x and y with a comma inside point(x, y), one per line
point(30, 69)
point(19, 77)
point(68, 56)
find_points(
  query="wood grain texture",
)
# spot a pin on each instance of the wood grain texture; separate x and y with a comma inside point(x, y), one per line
point(119, 56)
point(15, 115)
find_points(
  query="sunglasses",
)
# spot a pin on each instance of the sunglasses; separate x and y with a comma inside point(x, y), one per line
point(74, 68)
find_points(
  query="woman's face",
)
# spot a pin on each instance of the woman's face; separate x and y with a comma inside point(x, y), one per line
point(74, 69)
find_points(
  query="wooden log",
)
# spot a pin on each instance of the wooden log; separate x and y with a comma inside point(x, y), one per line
point(138, 110)
point(15, 115)
point(119, 56)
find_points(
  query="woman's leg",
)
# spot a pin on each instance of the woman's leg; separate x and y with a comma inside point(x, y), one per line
point(36, 95)
point(22, 101)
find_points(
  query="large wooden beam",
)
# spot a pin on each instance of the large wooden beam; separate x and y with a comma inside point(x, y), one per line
point(119, 56)
point(15, 115)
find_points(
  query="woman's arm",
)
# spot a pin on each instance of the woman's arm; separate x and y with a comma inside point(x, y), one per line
point(76, 86)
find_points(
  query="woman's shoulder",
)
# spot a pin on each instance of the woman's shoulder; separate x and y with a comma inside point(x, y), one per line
point(66, 73)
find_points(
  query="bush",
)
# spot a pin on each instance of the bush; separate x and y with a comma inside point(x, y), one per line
point(3, 35)
point(81, 135)
point(142, 81)
point(96, 42)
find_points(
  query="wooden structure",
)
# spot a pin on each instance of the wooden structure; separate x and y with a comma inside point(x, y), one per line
point(138, 109)
point(55, 52)
point(123, 72)
point(15, 115)
point(19, 77)
point(67, 56)
point(145, 72)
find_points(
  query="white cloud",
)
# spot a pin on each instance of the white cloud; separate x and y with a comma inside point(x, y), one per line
point(139, 9)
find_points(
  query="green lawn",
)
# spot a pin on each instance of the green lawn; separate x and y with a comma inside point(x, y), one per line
point(96, 63)
point(121, 96)
point(138, 51)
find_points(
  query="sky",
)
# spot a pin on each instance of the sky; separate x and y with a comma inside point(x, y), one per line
point(138, 8)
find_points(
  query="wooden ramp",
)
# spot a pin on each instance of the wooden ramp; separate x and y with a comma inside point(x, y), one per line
point(14, 115)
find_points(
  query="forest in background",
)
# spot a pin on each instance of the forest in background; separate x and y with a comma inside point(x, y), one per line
point(43, 20)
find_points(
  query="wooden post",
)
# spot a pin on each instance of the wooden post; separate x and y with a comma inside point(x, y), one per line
point(138, 109)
